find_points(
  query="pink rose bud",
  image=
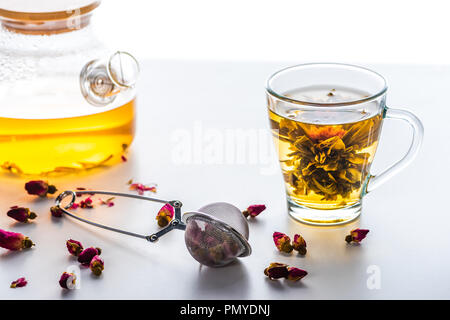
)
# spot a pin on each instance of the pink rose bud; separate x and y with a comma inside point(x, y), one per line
point(282, 242)
point(141, 188)
point(97, 265)
point(56, 212)
point(21, 214)
point(165, 215)
point(86, 256)
point(356, 235)
point(296, 274)
point(254, 210)
point(276, 271)
point(14, 241)
point(39, 188)
point(74, 247)
point(75, 205)
point(19, 283)
point(299, 244)
point(108, 202)
point(67, 280)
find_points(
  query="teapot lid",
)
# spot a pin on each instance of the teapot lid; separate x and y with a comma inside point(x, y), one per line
point(41, 6)
point(46, 16)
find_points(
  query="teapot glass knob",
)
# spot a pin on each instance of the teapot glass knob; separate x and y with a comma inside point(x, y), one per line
point(102, 80)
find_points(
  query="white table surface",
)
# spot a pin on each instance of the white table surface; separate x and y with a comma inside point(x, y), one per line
point(408, 220)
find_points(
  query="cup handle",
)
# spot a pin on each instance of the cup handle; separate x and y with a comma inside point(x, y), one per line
point(375, 181)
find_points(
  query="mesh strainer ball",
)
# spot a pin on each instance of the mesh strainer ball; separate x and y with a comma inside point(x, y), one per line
point(217, 234)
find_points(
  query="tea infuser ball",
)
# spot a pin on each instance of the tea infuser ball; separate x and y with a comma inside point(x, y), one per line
point(216, 235)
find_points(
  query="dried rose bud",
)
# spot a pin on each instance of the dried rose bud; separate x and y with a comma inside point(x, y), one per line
point(165, 215)
point(86, 256)
point(39, 188)
point(124, 159)
point(299, 244)
point(276, 271)
point(74, 247)
point(254, 210)
point(87, 203)
point(67, 280)
point(14, 241)
point(97, 265)
point(108, 202)
point(78, 194)
point(141, 188)
point(356, 235)
point(296, 274)
point(21, 214)
point(19, 283)
point(283, 242)
point(74, 206)
point(56, 212)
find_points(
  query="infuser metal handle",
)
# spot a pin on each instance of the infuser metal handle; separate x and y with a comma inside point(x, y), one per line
point(176, 223)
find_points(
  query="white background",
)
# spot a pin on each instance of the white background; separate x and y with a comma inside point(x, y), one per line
point(354, 31)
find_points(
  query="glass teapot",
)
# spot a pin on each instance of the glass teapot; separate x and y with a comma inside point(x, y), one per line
point(67, 102)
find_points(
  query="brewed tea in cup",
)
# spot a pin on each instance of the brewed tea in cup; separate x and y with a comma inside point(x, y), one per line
point(326, 121)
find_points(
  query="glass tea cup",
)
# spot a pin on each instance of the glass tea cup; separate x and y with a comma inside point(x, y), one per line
point(326, 121)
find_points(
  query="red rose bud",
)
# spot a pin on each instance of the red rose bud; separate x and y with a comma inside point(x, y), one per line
point(19, 283)
point(356, 235)
point(21, 214)
point(86, 203)
point(165, 215)
point(14, 241)
point(74, 247)
point(282, 242)
point(276, 271)
point(39, 188)
point(97, 265)
point(56, 212)
point(296, 274)
point(86, 256)
point(299, 244)
point(254, 210)
point(67, 280)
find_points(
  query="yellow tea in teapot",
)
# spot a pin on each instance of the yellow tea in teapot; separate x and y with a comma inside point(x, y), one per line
point(66, 144)
point(325, 161)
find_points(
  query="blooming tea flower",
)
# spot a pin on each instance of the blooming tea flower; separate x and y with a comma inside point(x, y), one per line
point(282, 242)
point(21, 214)
point(14, 241)
point(39, 188)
